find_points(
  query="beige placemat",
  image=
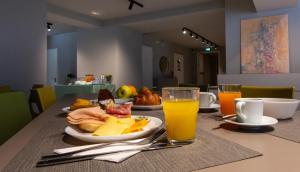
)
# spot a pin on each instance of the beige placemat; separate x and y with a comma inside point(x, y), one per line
point(288, 129)
point(207, 151)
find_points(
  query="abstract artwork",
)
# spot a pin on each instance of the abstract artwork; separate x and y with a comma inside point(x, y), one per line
point(264, 45)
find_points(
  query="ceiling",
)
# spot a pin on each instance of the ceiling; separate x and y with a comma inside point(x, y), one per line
point(264, 5)
point(209, 24)
point(109, 9)
point(60, 28)
point(159, 19)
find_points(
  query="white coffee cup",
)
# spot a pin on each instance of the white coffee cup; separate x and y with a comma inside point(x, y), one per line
point(207, 99)
point(249, 110)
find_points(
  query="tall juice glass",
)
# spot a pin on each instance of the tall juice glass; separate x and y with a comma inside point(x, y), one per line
point(180, 106)
point(227, 94)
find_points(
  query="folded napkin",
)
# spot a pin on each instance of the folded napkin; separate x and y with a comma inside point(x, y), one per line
point(114, 157)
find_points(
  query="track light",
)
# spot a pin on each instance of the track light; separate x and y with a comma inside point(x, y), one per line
point(49, 25)
point(205, 42)
point(133, 2)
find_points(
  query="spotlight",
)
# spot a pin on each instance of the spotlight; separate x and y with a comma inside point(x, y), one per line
point(207, 49)
point(49, 25)
point(133, 2)
point(205, 42)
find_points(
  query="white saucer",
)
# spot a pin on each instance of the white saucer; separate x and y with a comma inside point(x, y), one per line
point(266, 121)
point(212, 106)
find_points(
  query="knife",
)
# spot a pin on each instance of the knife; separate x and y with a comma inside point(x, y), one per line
point(64, 160)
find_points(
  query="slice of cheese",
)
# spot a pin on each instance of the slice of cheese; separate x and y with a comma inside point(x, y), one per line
point(114, 126)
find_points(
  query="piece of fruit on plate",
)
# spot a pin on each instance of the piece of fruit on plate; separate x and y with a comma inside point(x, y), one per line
point(137, 126)
point(124, 92)
point(81, 103)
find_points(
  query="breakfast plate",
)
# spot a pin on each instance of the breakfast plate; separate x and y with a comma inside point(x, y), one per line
point(117, 100)
point(153, 124)
point(266, 121)
point(147, 107)
point(66, 109)
point(212, 106)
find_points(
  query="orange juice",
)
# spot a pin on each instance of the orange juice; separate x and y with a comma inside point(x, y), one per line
point(227, 102)
point(181, 118)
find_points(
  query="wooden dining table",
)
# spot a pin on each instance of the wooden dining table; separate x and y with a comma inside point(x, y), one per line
point(278, 154)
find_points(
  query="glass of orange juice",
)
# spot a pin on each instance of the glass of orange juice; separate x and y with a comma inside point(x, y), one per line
point(227, 94)
point(180, 106)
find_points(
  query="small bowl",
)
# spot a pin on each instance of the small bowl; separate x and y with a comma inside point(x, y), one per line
point(280, 108)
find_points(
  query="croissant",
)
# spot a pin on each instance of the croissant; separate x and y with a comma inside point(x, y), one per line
point(146, 97)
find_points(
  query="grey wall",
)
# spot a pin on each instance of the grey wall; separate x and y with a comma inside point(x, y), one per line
point(66, 45)
point(162, 48)
point(235, 10)
point(22, 43)
point(111, 50)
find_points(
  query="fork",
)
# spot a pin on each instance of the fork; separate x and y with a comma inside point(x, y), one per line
point(151, 139)
point(71, 159)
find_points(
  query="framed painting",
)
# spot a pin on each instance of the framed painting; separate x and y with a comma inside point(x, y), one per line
point(264, 45)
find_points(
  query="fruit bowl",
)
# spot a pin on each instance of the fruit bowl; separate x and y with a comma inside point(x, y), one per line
point(280, 108)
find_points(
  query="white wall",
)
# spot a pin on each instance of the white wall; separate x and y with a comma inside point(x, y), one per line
point(66, 45)
point(23, 43)
point(111, 50)
point(167, 49)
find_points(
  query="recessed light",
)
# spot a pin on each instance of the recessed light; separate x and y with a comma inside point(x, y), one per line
point(95, 13)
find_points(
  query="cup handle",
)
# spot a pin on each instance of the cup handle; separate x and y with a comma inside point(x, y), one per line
point(212, 98)
point(239, 110)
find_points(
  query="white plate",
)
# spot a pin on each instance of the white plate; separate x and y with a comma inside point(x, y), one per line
point(147, 107)
point(122, 101)
point(66, 109)
point(266, 120)
point(153, 124)
point(212, 106)
point(117, 101)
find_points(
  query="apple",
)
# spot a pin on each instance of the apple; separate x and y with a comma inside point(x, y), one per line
point(124, 92)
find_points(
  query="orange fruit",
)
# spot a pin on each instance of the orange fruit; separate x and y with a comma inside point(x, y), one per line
point(133, 89)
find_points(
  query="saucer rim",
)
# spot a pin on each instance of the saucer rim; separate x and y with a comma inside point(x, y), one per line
point(213, 106)
point(275, 121)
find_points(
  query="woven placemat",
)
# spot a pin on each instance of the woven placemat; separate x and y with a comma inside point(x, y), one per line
point(208, 150)
point(288, 129)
